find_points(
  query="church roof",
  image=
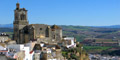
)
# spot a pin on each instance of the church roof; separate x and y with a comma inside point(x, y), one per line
point(23, 9)
point(38, 25)
point(55, 27)
point(37, 47)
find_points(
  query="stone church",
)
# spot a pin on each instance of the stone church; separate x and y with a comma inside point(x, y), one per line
point(25, 32)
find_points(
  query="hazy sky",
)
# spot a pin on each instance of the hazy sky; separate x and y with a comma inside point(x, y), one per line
point(64, 12)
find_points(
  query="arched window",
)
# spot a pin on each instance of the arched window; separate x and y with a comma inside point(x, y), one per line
point(22, 17)
point(16, 16)
point(47, 32)
point(54, 37)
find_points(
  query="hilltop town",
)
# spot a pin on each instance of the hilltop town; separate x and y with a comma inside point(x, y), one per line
point(38, 41)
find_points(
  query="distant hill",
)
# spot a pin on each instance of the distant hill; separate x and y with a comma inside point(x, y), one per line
point(113, 26)
point(6, 25)
point(83, 32)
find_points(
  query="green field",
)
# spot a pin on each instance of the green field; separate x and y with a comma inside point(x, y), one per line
point(10, 34)
point(95, 48)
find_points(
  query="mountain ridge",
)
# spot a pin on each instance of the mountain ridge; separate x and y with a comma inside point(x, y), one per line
point(6, 25)
point(111, 26)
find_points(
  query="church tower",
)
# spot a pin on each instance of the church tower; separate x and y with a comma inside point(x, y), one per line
point(20, 21)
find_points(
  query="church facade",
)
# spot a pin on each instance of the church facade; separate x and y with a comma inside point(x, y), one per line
point(25, 32)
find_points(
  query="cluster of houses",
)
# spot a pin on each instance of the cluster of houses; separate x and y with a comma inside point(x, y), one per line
point(36, 51)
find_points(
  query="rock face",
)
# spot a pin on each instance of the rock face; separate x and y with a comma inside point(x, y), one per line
point(25, 32)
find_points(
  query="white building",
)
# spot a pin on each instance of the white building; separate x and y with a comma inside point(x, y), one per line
point(69, 42)
point(3, 37)
point(20, 50)
point(3, 49)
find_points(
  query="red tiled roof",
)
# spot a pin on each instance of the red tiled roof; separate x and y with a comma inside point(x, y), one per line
point(31, 52)
point(3, 51)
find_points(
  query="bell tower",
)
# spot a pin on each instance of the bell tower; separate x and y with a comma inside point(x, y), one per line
point(20, 21)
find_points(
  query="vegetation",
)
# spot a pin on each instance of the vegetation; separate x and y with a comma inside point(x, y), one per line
point(95, 49)
point(6, 30)
point(112, 53)
point(75, 53)
point(83, 32)
point(9, 31)
point(10, 34)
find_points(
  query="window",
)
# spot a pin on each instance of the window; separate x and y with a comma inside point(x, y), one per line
point(40, 28)
point(22, 17)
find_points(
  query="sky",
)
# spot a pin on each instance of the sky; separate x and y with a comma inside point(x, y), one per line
point(64, 12)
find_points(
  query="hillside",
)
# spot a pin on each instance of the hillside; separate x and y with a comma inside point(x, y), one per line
point(113, 26)
point(82, 32)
